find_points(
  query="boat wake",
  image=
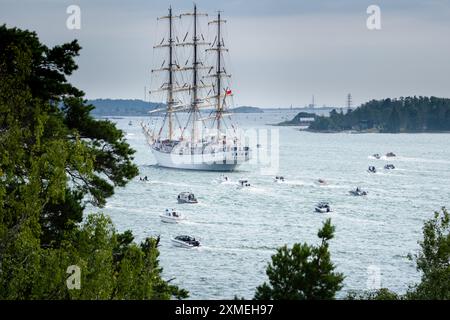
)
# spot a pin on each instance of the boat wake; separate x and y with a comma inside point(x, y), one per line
point(253, 189)
point(238, 249)
point(423, 160)
point(168, 183)
point(299, 183)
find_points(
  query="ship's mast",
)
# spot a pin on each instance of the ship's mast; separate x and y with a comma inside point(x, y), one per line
point(170, 101)
point(194, 78)
point(219, 45)
point(169, 85)
point(220, 72)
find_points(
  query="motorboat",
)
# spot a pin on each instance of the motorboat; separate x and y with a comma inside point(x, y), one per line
point(279, 179)
point(171, 216)
point(358, 192)
point(224, 179)
point(390, 155)
point(372, 169)
point(130, 123)
point(376, 156)
point(243, 183)
point(186, 197)
point(323, 207)
point(389, 166)
point(184, 241)
point(322, 182)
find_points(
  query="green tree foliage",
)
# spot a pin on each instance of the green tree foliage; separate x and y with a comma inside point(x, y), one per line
point(433, 260)
point(380, 294)
point(53, 158)
point(302, 272)
point(406, 114)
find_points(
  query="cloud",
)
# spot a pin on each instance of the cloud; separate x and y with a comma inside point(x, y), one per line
point(281, 51)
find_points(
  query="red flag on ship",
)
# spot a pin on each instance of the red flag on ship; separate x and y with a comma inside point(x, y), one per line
point(228, 91)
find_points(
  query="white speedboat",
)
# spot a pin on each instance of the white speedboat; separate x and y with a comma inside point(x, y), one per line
point(389, 166)
point(186, 197)
point(279, 179)
point(171, 216)
point(323, 207)
point(184, 241)
point(224, 179)
point(243, 183)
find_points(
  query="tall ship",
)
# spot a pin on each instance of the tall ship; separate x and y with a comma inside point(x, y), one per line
point(193, 130)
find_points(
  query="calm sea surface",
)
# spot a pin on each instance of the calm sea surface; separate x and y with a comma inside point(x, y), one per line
point(240, 229)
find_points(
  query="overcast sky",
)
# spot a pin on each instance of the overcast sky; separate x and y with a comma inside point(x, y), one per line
point(282, 51)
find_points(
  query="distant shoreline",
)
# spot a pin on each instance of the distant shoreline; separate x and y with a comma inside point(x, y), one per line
point(373, 132)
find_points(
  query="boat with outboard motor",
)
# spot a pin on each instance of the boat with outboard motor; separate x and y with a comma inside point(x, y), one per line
point(185, 241)
point(171, 216)
point(186, 197)
point(279, 179)
point(224, 179)
point(323, 207)
point(390, 155)
point(243, 183)
point(358, 192)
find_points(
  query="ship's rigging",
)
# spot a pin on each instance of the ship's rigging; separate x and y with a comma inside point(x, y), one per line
point(188, 90)
point(202, 77)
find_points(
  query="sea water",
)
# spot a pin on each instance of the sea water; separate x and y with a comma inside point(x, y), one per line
point(240, 229)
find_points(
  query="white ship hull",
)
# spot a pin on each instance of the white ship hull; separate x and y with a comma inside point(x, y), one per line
point(182, 244)
point(219, 161)
point(169, 219)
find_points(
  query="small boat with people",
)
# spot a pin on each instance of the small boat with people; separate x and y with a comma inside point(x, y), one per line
point(323, 207)
point(243, 183)
point(389, 166)
point(224, 179)
point(390, 155)
point(376, 156)
point(372, 169)
point(279, 179)
point(185, 241)
point(322, 182)
point(186, 197)
point(358, 192)
point(171, 216)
